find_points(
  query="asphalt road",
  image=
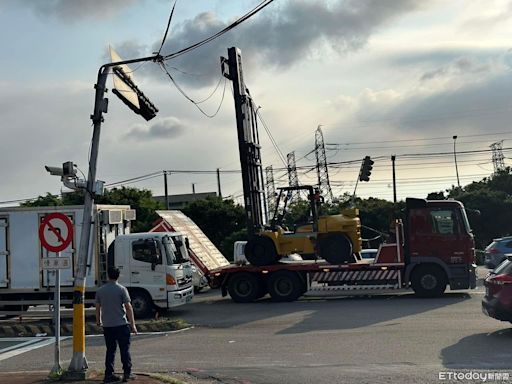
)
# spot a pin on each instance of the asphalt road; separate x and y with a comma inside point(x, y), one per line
point(379, 339)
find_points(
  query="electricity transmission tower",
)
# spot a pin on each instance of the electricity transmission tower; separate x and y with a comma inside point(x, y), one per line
point(321, 166)
point(271, 190)
point(497, 156)
point(293, 179)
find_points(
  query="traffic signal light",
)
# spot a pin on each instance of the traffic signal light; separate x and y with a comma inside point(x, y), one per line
point(132, 96)
point(366, 169)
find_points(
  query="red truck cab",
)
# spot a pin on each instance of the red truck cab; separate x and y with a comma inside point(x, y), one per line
point(438, 238)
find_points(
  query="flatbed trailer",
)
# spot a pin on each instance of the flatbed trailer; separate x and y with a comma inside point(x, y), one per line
point(287, 281)
point(393, 268)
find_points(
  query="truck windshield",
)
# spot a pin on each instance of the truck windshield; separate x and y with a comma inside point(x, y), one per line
point(174, 250)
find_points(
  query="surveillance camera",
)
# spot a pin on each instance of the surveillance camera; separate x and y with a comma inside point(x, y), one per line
point(67, 170)
point(55, 171)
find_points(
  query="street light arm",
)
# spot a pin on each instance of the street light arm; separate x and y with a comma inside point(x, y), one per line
point(156, 59)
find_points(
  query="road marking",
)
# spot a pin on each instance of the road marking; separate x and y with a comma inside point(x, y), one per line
point(29, 344)
point(25, 346)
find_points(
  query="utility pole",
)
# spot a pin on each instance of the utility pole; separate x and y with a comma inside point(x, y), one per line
point(455, 158)
point(218, 183)
point(166, 191)
point(78, 365)
point(322, 170)
point(393, 158)
point(248, 143)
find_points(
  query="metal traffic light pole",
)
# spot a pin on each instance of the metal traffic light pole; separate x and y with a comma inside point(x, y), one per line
point(78, 365)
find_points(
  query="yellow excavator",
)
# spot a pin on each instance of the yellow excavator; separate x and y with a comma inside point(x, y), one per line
point(334, 238)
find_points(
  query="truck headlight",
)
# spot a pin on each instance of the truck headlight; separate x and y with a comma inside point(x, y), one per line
point(169, 279)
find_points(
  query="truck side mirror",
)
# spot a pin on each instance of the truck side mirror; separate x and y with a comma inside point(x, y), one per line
point(153, 266)
point(187, 243)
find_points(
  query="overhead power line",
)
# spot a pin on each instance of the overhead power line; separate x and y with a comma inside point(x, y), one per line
point(271, 137)
point(351, 147)
point(167, 29)
point(196, 103)
point(134, 179)
point(245, 17)
point(421, 139)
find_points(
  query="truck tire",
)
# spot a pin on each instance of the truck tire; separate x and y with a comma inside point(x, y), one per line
point(261, 251)
point(285, 286)
point(141, 303)
point(245, 287)
point(428, 281)
point(336, 249)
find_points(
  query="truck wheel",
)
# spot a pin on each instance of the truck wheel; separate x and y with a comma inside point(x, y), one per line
point(261, 251)
point(336, 249)
point(245, 287)
point(141, 303)
point(428, 281)
point(285, 286)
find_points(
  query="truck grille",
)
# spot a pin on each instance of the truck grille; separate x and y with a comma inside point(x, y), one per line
point(184, 281)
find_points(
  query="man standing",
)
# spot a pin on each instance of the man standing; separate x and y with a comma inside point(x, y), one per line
point(113, 307)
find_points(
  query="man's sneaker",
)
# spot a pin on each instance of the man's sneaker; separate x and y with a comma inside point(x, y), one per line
point(112, 379)
point(126, 378)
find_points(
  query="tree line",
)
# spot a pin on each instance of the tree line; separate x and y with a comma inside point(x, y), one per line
point(488, 204)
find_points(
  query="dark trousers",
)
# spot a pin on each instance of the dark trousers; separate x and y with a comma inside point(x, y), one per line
point(113, 336)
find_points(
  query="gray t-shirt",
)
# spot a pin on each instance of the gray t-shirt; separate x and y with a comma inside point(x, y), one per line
point(112, 297)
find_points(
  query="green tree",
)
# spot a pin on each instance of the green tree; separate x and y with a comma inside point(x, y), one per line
point(48, 200)
point(221, 220)
point(139, 199)
point(297, 213)
point(227, 245)
point(436, 196)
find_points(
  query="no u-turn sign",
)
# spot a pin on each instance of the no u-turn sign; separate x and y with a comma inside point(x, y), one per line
point(56, 232)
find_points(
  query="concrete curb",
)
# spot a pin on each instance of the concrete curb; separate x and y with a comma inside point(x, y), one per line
point(93, 377)
point(66, 329)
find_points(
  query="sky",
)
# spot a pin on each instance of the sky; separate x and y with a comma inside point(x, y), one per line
point(380, 77)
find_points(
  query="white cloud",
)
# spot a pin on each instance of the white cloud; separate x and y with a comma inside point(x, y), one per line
point(280, 36)
point(72, 10)
point(465, 94)
point(161, 129)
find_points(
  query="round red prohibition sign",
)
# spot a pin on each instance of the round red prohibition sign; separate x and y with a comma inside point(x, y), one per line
point(56, 232)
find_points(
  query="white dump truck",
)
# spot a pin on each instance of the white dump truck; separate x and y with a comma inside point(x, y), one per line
point(155, 267)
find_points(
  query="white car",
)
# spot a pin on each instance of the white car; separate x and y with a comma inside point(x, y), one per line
point(198, 279)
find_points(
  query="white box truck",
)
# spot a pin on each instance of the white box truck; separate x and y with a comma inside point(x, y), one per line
point(155, 267)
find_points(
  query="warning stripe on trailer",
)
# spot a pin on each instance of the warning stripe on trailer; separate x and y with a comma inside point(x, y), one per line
point(355, 276)
point(353, 288)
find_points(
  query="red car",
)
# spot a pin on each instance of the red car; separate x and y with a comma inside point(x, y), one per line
point(497, 302)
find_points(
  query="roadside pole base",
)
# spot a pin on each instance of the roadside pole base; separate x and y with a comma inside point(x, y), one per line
point(75, 375)
point(77, 368)
point(56, 370)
